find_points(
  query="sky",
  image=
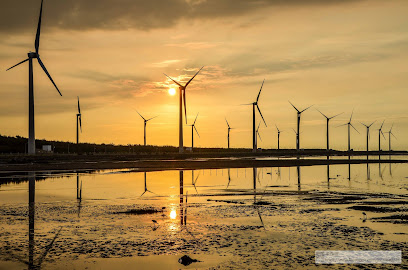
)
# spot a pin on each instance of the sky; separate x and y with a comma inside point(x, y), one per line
point(338, 56)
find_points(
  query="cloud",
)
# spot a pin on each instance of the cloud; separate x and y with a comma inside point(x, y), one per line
point(166, 63)
point(22, 15)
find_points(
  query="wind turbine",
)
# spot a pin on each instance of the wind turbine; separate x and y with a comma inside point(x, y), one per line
point(349, 124)
point(182, 97)
point(279, 132)
point(258, 135)
point(298, 124)
point(389, 137)
point(379, 136)
point(368, 131)
point(192, 132)
point(31, 56)
point(79, 123)
point(229, 128)
point(327, 127)
point(255, 104)
point(145, 122)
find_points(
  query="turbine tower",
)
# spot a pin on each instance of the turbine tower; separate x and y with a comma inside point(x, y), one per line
point(229, 129)
point(299, 113)
point(368, 131)
point(379, 136)
point(389, 139)
point(31, 56)
point(279, 132)
point(145, 123)
point(349, 124)
point(192, 132)
point(182, 97)
point(79, 123)
point(327, 127)
point(255, 104)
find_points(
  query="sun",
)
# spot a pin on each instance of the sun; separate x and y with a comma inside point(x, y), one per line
point(172, 91)
point(173, 214)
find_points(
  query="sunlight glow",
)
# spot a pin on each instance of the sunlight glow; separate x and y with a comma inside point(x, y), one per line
point(172, 91)
point(173, 214)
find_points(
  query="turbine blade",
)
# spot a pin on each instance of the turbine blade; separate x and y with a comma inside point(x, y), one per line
point(382, 134)
point(227, 123)
point(17, 64)
point(372, 123)
point(258, 126)
point(196, 131)
point(259, 110)
point(257, 98)
point(48, 74)
point(79, 108)
point(247, 104)
point(185, 106)
point(173, 80)
point(391, 127)
point(343, 125)
point(259, 135)
point(151, 118)
point(195, 119)
point(294, 131)
point(37, 36)
point(306, 108)
point(354, 128)
point(141, 115)
point(336, 115)
point(80, 123)
point(351, 115)
point(322, 113)
point(363, 124)
point(277, 127)
point(393, 135)
point(382, 124)
point(293, 106)
point(193, 76)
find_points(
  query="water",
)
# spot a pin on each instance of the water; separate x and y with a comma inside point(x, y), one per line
point(227, 218)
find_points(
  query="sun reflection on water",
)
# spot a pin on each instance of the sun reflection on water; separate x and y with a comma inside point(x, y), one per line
point(173, 214)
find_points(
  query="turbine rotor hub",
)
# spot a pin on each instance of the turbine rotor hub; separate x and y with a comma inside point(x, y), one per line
point(33, 55)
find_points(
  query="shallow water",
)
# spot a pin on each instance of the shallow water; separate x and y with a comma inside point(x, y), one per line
point(227, 218)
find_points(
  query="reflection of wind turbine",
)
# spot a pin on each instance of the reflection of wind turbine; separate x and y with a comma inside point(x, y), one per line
point(379, 136)
point(229, 128)
point(279, 132)
point(327, 127)
point(299, 113)
point(255, 176)
point(182, 98)
point(193, 127)
point(368, 131)
point(145, 186)
point(229, 177)
point(79, 194)
point(255, 104)
point(79, 122)
point(389, 137)
point(31, 56)
point(145, 123)
point(349, 124)
point(194, 182)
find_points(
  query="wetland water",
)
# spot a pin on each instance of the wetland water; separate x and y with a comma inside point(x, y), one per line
point(246, 218)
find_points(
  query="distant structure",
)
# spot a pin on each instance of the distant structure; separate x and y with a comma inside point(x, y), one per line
point(349, 124)
point(389, 139)
point(368, 132)
point(299, 113)
point(279, 132)
point(379, 136)
point(144, 126)
point(31, 56)
point(255, 104)
point(327, 127)
point(229, 129)
point(193, 127)
point(78, 123)
point(182, 97)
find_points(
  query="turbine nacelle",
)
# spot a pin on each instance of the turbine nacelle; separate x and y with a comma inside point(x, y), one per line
point(33, 55)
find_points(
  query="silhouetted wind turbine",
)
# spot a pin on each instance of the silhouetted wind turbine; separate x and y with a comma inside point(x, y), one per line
point(229, 129)
point(255, 104)
point(368, 131)
point(379, 136)
point(193, 127)
point(348, 128)
point(182, 97)
point(79, 122)
point(145, 123)
point(327, 127)
point(31, 56)
point(389, 137)
point(279, 132)
point(258, 135)
point(298, 124)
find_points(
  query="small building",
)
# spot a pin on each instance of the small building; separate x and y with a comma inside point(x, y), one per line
point(47, 148)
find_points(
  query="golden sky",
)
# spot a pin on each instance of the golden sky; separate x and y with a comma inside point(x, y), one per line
point(337, 55)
